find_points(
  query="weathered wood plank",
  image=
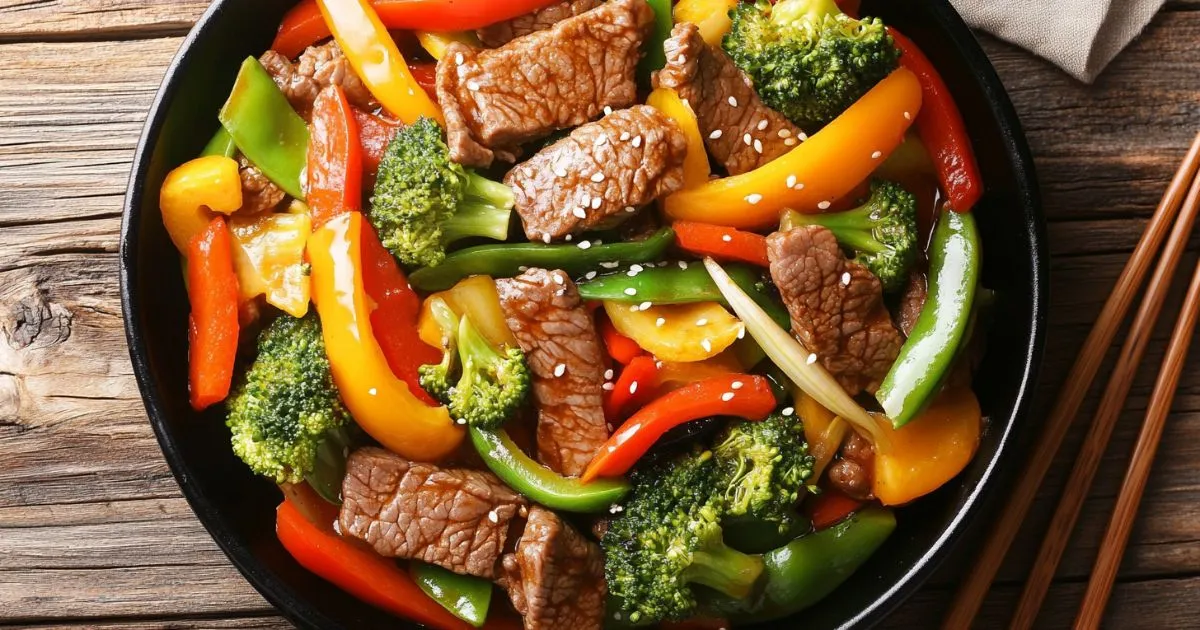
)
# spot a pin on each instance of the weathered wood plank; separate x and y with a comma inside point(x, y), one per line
point(95, 19)
point(255, 622)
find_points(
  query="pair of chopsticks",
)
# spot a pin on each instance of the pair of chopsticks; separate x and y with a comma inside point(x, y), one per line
point(976, 583)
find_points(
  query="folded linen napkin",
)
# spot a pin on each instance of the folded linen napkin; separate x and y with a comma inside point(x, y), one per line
point(1079, 36)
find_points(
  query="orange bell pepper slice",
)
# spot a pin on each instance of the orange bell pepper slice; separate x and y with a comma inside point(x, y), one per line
point(213, 323)
point(930, 450)
point(816, 173)
point(383, 405)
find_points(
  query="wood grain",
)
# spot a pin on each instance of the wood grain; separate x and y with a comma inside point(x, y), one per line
point(92, 529)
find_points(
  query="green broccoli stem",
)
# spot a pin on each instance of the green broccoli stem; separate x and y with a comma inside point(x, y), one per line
point(484, 210)
point(725, 570)
point(852, 228)
point(795, 11)
point(476, 350)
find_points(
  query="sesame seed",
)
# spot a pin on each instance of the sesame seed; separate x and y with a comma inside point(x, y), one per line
point(727, 396)
point(493, 517)
point(559, 370)
point(589, 275)
point(601, 140)
point(458, 59)
point(812, 358)
point(636, 267)
point(742, 332)
point(758, 146)
point(522, 268)
point(727, 238)
point(907, 116)
point(610, 265)
point(373, 391)
point(558, 279)
point(546, 238)
point(824, 205)
point(658, 364)
point(569, 237)
point(473, 85)
point(716, 135)
point(637, 141)
point(799, 186)
point(631, 291)
point(625, 135)
point(785, 133)
point(598, 177)
point(787, 411)
point(703, 321)
point(790, 142)
point(736, 385)
point(876, 155)
point(586, 199)
point(596, 203)
point(607, 110)
point(631, 273)
point(646, 306)
point(630, 209)
point(762, 124)
point(706, 344)
point(753, 198)
point(747, 139)
point(845, 278)
point(791, 181)
point(660, 322)
point(732, 101)
point(682, 59)
point(616, 509)
point(633, 387)
point(608, 387)
point(803, 136)
point(461, 421)
point(524, 511)
point(683, 265)
point(579, 212)
point(584, 245)
point(608, 374)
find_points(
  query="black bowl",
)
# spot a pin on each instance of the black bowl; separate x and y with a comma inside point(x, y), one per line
point(237, 508)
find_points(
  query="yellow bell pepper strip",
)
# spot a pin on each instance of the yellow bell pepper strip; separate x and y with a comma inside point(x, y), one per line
point(476, 296)
point(673, 374)
point(816, 173)
point(193, 192)
point(930, 450)
point(382, 404)
point(695, 165)
point(823, 430)
point(373, 54)
point(265, 127)
point(710, 16)
point(436, 43)
point(677, 332)
point(268, 256)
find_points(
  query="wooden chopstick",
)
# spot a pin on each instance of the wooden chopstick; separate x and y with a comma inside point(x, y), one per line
point(1087, 462)
point(977, 581)
point(1117, 534)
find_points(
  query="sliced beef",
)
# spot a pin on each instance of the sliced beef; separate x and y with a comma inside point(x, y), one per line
point(558, 335)
point(600, 174)
point(556, 576)
point(912, 300)
point(259, 194)
point(851, 473)
point(455, 518)
point(318, 67)
point(738, 129)
point(501, 33)
point(496, 99)
point(836, 307)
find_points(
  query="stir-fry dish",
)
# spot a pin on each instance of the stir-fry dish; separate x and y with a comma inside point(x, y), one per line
point(581, 314)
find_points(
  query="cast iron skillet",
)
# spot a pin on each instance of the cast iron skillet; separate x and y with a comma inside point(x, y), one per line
point(238, 509)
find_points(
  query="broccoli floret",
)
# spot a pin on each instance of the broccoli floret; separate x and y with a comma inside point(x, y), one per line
point(807, 59)
point(286, 404)
point(763, 468)
point(423, 201)
point(480, 384)
point(668, 538)
point(882, 233)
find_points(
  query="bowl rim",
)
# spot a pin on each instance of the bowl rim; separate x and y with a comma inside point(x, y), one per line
point(302, 613)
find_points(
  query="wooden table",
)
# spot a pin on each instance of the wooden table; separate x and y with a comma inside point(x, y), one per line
point(92, 526)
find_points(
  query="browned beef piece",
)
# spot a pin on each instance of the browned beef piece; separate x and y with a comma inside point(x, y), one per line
point(836, 307)
point(600, 174)
point(912, 300)
point(454, 518)
point(501, 33)
point(496, 99)
point(318, 67)
point(739, 131)
point(558, 335)
point(851, 473)
point(259, 194)
point(556, 576)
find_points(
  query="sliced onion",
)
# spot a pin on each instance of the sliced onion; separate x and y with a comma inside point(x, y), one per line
point(791, 357)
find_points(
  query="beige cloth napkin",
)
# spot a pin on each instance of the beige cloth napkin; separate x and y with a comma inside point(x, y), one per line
point(1079, 36)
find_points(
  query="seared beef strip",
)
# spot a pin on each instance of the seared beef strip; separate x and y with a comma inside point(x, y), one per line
point(454, 518)
point(318, 67)
point(558, 335)
point(501, 33)
point(912, 300)
point(740, 132)
point(259, 194)
point(836, 307)
point(601, 173)
point(851, 474)
point(556, 576)
point(496, 99)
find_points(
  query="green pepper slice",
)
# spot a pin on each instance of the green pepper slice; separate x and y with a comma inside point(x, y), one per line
point(507, 261)
point(465, 596)
point(539, 483)
point(265, 127)
point(928, 354)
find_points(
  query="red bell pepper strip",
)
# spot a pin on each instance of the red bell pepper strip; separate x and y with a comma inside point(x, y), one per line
point(634, 387)
point(303, 26)
point(360, 572)
point(375, 132)
point(394, 320)
point(739, 395)
point(213, 323)
point(942, 130)
point(622, 349)
point(334, 158)
point(425, 75)
point(721, 243)
point(830, 508)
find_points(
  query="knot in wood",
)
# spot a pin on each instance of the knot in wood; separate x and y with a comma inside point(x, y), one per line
point(29, 321)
